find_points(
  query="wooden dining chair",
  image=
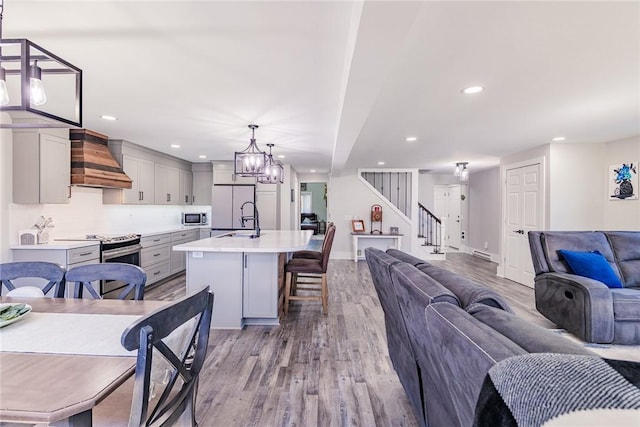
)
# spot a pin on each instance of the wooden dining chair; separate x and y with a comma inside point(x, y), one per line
point(314, 254)
point(309, 275)
point(83, 277)
point(48, 271)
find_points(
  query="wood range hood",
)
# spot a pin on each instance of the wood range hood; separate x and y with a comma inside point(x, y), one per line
point(92, 164)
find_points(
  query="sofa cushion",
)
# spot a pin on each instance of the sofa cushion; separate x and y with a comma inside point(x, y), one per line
point(466, 290)
point(405, 257)
point(532, 338)
point(576, 241)
point(626, 248)
point(591, 264)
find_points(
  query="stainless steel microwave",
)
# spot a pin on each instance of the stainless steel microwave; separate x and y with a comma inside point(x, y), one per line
point(194, 218)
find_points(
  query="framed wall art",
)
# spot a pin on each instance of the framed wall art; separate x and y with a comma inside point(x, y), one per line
point(357, 225)
point(623, 181)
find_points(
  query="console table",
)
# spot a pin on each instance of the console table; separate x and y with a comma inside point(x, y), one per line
point(380, 241)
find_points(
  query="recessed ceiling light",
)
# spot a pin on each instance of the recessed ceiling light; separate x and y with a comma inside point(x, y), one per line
point(472, 89)
point(111, 118)
point(281, 156)
point(411, 139)
point(312, 171)
point(559, 138)
point(380, 163)
point(202, 156)
point(175, 145)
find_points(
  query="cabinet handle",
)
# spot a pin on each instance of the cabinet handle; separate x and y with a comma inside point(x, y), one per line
point(193, 199)
point(168, 197)
point(156, 254)
point(85, 253)
point(69, 196)
point(245, 261)
point(186, 199)
point(156, 273)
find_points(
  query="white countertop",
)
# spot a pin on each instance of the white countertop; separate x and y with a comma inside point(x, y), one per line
point(269, 241)
point(58, 245)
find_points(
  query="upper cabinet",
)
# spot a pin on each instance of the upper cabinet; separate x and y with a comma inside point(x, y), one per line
point(41, 167)
point(223, 174)
point(157, 178)
point(202, 183)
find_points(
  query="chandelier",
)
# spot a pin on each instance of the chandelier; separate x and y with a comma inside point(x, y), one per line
point(251, 161)
point(462, 171)
point(273, 170)
point(26, 69)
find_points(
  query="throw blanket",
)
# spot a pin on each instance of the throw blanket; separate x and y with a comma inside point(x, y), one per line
point(532, 389)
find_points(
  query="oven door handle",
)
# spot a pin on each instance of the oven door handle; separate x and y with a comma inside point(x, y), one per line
point(115, 253)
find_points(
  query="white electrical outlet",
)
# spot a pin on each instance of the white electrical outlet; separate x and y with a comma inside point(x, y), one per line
point(197, 254)
point(486, 245)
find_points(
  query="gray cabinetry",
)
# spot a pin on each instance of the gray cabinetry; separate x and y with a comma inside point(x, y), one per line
point(167, 185)
point(41, 167)
point(141, 173)
point(185, 181)
point(260, 285)
point(66, 257)
point(155, 256)
point(202, 182)
point(178, 259)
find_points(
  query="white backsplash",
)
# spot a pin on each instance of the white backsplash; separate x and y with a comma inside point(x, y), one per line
point(85, 214)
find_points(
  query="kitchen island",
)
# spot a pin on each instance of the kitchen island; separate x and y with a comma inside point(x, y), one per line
point(245, 274)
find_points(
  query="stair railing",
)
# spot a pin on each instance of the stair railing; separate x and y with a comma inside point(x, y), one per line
point(430, 228)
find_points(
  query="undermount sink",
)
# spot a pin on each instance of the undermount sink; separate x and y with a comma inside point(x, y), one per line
point(240, 234)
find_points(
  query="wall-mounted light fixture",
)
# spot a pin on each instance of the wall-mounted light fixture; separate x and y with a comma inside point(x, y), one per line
point(273, 170)
point(251, 161)
point(462, 171)
point(25, 70)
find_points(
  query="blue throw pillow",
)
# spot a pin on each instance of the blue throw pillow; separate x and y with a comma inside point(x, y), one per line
point(593, 265)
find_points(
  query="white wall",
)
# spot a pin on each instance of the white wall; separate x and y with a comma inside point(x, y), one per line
point(349, 198)
point(6, 171)
point(576, 185)
point(621, 214)
point(426, 182)
point(484, 212)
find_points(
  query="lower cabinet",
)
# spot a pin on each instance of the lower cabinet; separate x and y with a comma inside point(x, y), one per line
point(155, 257)
point(178, 259)
point(68, 258)
point(260, 285)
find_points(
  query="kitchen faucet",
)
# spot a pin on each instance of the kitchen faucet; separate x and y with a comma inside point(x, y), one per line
point(255, 218)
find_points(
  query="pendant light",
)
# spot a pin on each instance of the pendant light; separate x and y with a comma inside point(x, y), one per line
point(462, 171)
point(273, 170)
point(251, 161)
point(25, 67)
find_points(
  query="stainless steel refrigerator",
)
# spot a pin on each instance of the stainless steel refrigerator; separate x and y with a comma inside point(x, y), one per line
point(225, 206)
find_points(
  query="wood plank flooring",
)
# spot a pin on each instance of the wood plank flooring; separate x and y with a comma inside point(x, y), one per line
point(317, 370)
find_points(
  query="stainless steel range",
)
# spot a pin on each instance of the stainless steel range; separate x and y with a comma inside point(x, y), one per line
point(123, 248)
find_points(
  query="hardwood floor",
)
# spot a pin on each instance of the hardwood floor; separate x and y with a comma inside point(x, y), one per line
point(315, 369)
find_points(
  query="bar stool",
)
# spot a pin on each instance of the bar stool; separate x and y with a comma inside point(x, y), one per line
point(314, 271)
point(314, 254)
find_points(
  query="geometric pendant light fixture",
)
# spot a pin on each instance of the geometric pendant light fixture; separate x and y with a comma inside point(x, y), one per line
point(273, 170)
point(462, 171)
point(251, 161)
point(37, 88)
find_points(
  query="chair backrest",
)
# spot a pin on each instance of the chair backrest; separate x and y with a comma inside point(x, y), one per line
point(54, 273)
point(188, 321)
point(326, 250)
point(326, 233)
point(133, 277)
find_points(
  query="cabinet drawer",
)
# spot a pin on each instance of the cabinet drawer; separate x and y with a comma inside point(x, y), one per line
point(185, 235)
point(159, 239)
point(87, 253)
point(157, 272)
point(154, 255)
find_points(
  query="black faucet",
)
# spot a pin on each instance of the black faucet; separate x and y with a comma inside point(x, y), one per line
point(255, 218)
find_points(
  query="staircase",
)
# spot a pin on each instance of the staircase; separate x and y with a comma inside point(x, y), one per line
point(431, 229)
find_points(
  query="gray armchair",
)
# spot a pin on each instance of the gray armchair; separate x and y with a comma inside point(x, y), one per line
point(583, 306)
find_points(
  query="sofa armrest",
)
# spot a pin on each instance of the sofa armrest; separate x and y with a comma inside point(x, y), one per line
point(580, 305)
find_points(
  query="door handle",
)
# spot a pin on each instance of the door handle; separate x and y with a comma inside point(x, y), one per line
point(519, 231)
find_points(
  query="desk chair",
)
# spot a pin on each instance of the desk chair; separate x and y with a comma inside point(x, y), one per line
point(133, 276)
point(172, 346)
point(314, 271)
point(49, 271)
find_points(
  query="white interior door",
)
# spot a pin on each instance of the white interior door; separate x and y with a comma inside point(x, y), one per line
point(440, 201)
point(454, 216)
point(523, 214)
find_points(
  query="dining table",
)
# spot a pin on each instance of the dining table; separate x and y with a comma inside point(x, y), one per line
point(64, 357)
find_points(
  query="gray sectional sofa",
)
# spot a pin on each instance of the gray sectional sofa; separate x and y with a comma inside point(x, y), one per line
point(446, 332)
point(584, 306)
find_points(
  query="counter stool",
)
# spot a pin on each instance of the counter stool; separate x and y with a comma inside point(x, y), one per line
point(313, 254)
point(314, 271)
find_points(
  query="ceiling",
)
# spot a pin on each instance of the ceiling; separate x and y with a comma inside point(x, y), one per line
point(341, 84)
